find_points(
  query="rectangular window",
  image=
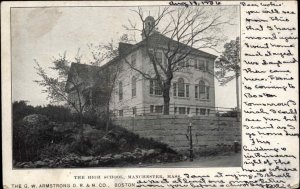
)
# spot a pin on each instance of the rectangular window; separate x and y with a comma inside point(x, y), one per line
point(165, 60)
point(158, 109)
point(201, 65)
point(133, 92)
point(151, 87)
point(120, 91)
point(197, 111)
point(196, 91)
point(133, 60)
point(175, 110)
point(208, 111)
point(187, 64)
point(206, 65)
point(187, 90)
point(120, 113)
point(133, 87)
point(188, 110)
point(174, 89)
point(181, 110)
point(151, 54)
point(151, 108)
point(157, 90)
point(202, 111)
point(158, 56)
point(134, 111)
point(194, 62)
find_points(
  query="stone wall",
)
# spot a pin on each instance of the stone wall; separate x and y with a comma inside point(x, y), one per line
point(210, 134)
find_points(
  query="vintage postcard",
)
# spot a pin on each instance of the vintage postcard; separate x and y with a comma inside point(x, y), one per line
point(150, 94)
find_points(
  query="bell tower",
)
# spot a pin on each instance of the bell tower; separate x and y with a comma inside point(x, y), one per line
point(149, 26)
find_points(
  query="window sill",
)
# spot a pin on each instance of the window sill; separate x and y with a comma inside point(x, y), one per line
point(185, 71)
point(202, 70)
point(153, 95)
point(182, 98)
point(205, 100)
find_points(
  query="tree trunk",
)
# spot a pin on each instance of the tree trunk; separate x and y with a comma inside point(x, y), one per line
point(166, 95)
point(81, 132)
point(166, 105)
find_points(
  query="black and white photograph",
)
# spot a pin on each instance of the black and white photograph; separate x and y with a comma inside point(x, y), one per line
point(126, 87)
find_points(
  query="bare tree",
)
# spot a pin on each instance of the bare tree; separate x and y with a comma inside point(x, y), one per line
point(56, 89)
point(186, 30)
point(102, 53)
point(228, 66)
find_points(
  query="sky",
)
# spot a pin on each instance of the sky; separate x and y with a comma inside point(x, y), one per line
point(43, 33)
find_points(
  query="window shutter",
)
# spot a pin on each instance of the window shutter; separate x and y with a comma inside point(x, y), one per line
point(151, 108)
point(207, 92)
point(187, 90)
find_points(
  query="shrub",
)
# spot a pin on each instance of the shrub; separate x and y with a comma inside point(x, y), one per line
point(55, 150)
point(21, 109)
point(29, 138)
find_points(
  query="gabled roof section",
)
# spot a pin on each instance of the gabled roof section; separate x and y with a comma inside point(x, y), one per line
point(124, 48)
point(86, 74)
point(158, 39)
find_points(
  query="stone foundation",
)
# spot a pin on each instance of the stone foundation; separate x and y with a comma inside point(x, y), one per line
point(210, 134)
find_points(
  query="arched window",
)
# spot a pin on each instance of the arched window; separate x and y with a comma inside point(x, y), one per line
point(133, 86)
point(120, 90)
point(181, 89)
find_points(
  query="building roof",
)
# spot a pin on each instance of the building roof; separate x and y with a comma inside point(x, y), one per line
point(155, 40)
point(86, 73)
point(159, 40)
